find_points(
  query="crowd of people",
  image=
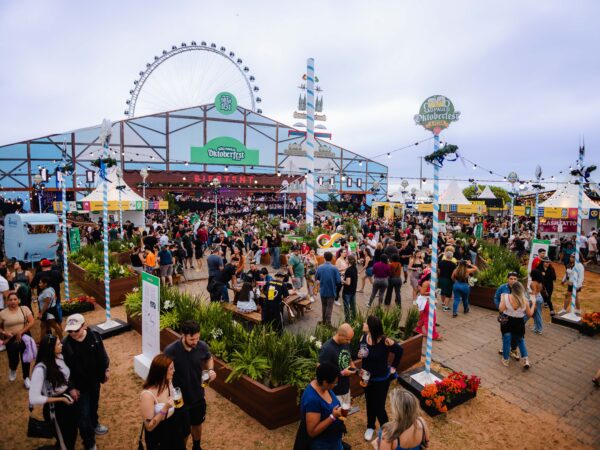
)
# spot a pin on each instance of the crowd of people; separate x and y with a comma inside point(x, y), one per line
point(238, 253)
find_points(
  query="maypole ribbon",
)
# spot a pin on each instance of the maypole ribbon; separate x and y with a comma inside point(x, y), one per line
point(310, 142)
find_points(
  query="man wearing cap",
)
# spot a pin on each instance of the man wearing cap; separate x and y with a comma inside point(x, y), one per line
point(272, 308)
point(86, 357)
point(538, 259)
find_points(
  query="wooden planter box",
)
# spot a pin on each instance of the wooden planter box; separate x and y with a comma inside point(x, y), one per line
point(118, 288)
point(408, 383)
point(482, 297)
point(265, 259)
point(273, 408)
point(123, 258)
point(579, 326)
point(412, 347)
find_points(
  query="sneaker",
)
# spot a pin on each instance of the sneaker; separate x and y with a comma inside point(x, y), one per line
point(101, 429)
point(500, 352)
point(562, 311)
point(2, 348)
point(369, 434)
point(27, 383)
point(467, 311)
point(578, 312)
point(446, 308)
point(454, 315)
point(338, 303)
point(12, 375)
point(546, 305)
point(312, 299)
point(552, 313)
point(505, 362)
point(515, 355)
point(526, 365)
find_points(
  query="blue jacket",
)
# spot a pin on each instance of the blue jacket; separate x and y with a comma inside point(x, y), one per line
point(329, 277)
point(503, 289)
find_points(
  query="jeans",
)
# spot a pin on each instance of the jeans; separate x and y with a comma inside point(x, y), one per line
point(508, 340)
point(349, 307)
point(461, 292)
point(276, 254)
point(473, 256)
point(379, 287)
point(257, 256)
point(87, 414)
point(538, 323)
point(394, 284)
point(327, 309)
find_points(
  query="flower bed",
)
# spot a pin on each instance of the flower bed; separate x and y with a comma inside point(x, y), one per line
point(590, 323)
point(78, 305)
point(440, 397)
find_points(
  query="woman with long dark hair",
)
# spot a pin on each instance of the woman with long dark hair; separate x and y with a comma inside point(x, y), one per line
point(50, 387)
point(157, 406)
point(376, 373)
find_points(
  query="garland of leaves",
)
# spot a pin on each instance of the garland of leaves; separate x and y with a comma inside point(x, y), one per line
point(108, 162)
point(440, 155)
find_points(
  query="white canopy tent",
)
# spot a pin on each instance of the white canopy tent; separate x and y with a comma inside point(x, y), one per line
point(453, 195)
point(487, 194)
point(567, 196)
point(128, 197)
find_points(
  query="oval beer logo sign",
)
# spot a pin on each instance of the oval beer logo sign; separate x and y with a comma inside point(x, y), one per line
point(436, 113)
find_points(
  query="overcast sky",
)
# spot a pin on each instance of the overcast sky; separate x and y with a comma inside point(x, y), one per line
point(524, 74)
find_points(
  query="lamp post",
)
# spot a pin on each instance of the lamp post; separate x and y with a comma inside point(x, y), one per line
point(120, 188)
point(38, 186)
point(216, 184)
point(285, 184)
point(512, 179)
point(144, 175)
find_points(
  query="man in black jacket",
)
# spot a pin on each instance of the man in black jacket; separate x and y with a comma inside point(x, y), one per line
point(86, 357)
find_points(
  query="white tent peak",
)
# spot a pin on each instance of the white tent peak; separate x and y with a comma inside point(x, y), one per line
point(567, 196)
point(453, 195)
point(487, 194)
point(127, 194)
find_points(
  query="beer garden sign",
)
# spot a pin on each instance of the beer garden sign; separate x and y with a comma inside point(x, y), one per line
point(436, 113)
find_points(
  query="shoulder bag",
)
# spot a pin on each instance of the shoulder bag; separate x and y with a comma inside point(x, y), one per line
point(43, 429)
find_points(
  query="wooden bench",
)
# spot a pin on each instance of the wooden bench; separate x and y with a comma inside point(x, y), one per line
point(253, 317)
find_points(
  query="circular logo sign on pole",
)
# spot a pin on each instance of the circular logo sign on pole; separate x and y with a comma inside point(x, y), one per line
point(436, 113)
point(226, 103)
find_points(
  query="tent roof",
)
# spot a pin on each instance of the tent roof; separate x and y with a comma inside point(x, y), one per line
point(567, 196)
point(487, 194)
point(127, 194)
point(453, 195)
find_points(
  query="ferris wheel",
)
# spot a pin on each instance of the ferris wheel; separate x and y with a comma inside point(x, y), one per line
point(191, 75)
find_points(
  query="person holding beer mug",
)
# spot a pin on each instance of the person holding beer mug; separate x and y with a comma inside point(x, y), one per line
point(158, 401)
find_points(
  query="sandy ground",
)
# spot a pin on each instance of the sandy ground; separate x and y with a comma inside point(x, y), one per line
point(487, 422)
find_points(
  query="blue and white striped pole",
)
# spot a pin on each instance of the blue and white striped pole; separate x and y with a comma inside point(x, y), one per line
point(537, 200)
point(310, 142)
point(434, 255)
point(64, 230)
point(577, 275)
point(105, 236)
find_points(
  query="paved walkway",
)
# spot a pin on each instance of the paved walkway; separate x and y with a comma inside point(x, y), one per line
point(558, 385)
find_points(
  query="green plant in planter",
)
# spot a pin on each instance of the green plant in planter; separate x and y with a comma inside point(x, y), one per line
point(219, 349)
point(133, 303)
point(248, 362)
point(412, 318)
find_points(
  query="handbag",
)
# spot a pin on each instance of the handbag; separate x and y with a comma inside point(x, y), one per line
point(502, 319)
point(39, 428)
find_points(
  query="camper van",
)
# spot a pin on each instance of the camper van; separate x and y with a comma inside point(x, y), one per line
point(27, 237)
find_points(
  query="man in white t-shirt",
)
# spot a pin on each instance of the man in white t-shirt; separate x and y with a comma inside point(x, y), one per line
point(592, 247)
point(4, 290)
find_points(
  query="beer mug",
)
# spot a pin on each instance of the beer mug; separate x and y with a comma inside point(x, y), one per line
point(345, 411)
point(363, 352)
point(365, 376)
point(177, 397)
point(205, 378)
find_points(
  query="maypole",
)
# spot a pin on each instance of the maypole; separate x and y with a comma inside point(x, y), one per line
point(105, 135)
point(537, 187)
point(310, 142)
point(64, 221)
point(435, 114)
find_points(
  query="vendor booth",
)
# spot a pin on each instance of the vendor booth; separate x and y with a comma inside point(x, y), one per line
point(132, 205)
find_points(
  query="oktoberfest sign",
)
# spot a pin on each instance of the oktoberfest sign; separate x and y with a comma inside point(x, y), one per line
point(436, 113)
point(225, 151)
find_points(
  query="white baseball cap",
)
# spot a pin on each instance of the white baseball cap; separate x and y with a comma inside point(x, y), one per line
point(74, 322)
